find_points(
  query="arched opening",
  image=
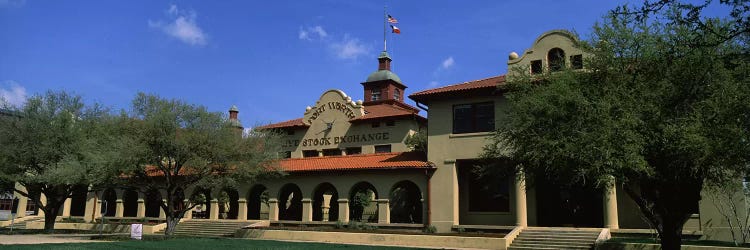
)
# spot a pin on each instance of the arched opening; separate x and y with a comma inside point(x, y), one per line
point(406, 203)
point(362, 202)
point(78, 200)
point(179, 199)
point(228, 203)
point(109, 202)
point(130, 203)
point(153, 203)
point(202, 198)
point(325, 203)
point(556, 59)
point(257, 203)
point(290, 203)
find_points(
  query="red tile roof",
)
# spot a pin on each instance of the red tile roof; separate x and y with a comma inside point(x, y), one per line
point(487, 83)
point(401, 160)
point(285, 124)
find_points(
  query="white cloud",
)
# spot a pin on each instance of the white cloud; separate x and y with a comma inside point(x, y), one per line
point(13, 93)
point(433, 84)
point(350, 48)
point(181, 25)
point(312, 33)
point(447, 63)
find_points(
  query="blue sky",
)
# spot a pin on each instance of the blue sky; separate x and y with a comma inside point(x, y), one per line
point(270, 58)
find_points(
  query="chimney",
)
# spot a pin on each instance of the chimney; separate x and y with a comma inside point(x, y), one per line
point(233, 111)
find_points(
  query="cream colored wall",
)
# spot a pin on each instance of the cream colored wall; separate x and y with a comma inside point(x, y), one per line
point(444, 149)
point(342, 127)
point(552, 39)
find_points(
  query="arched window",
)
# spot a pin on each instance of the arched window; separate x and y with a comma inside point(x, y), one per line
point(556, 59)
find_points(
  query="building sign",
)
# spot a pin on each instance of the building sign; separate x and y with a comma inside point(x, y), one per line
point(332, 106)
point(136, 231)
point(335, 140)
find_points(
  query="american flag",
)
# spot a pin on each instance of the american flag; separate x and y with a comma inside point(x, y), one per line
point(392, 19)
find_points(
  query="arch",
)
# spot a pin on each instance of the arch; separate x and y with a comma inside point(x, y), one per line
point(556, 59)
point(78, 200)
point(202, 198)
point(228, 203)
point(130, 203)
point(257, 203)
point(363, 202)
point(109, 202)
point(153, 203)
point(406, 203)
point(290, 202)
point(325, 202)
point(179, 199)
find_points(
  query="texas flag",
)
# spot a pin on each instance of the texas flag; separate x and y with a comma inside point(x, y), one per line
point(395, 29)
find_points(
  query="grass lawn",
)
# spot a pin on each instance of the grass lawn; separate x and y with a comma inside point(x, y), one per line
point(195, 243)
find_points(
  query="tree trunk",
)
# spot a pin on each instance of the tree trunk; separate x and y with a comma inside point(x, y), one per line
point(171, 225)
point(50, 214)
point(671, 236)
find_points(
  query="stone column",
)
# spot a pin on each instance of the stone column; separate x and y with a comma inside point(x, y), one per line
point(162, 213)
point(98, 209)
point(343, 210)
point(214, 209)
point(384, 211)
point(326, 208)
point(23, 201)
point(242, 209)
point(611, 219)
point(119, 208)
point(273, 209)
point(66, 207)
point(307, 209)
point(521, 209)
point(43, 200)
point(189, 212)
point(141, 208)
point(90, 212)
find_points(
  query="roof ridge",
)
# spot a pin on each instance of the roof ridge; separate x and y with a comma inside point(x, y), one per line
point(453, 85)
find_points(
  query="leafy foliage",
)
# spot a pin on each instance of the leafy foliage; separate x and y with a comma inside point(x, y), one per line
point(51, 144)
point(662, 107)
point(417, 142)
point(175, 147)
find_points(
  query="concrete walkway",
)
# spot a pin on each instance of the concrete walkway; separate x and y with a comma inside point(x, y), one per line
point(45, 238)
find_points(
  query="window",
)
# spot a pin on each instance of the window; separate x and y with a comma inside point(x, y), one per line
point(309, 153)
point(476, 117)
point(576, 61)
point(396, 94)
point(383, 148)
point(536, 67)
point(375, 124)
point(331, 152)
point(556, 59)
point(354, 151)
point(390, 123)
point(375, 95)
point(286, 154)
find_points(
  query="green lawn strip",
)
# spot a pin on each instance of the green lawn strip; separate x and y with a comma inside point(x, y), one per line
point(715, 243)
point(195, 243)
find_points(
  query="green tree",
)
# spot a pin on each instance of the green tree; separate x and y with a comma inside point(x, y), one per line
point(662, 115)
point(52, 144)
point(172, 147)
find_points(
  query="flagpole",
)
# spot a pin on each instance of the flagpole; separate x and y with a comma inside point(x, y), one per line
point(385, 21)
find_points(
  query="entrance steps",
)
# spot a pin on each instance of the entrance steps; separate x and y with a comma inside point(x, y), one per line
point(208, 228)
point(540, 238)
point(20, 223)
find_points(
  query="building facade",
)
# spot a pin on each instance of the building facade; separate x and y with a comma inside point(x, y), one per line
point(347, 160)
